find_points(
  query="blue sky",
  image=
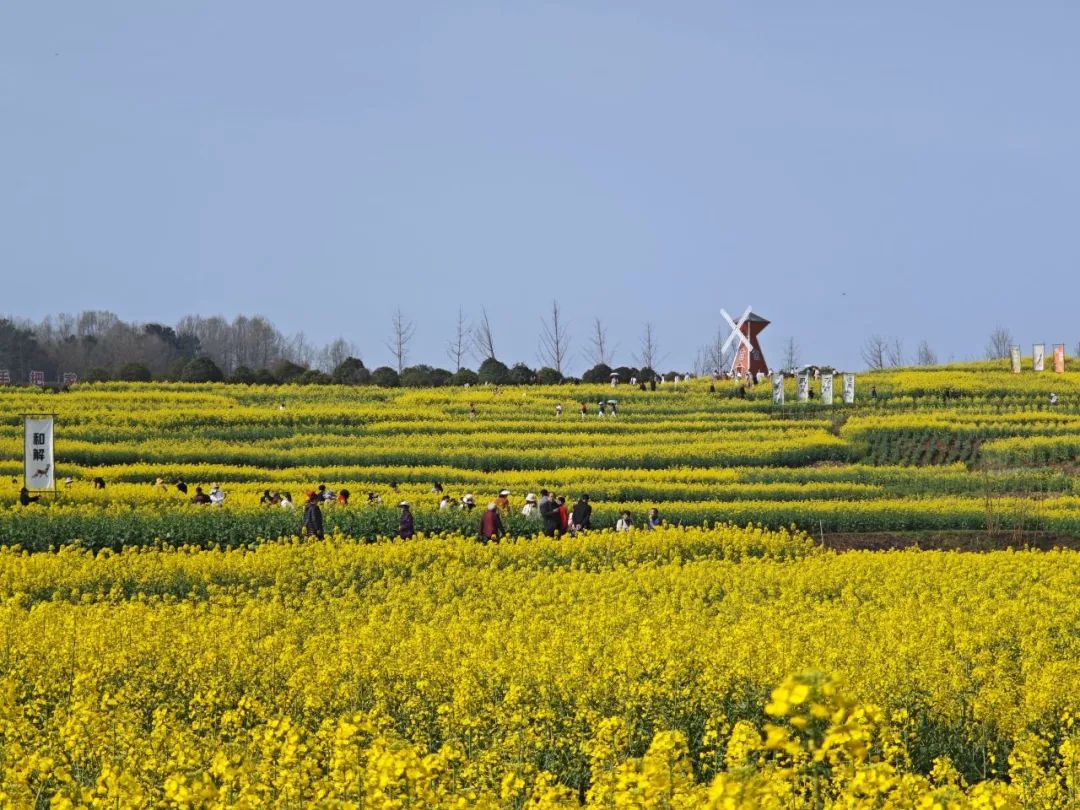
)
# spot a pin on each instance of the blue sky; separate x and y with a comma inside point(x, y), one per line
point(906, 169)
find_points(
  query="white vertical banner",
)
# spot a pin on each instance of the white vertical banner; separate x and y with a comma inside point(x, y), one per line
point(38, 471)
point(826, 388)
point(1014, 356)
point(849, 389)
point(778, 389)
point(1038, 356)
point(804, 386)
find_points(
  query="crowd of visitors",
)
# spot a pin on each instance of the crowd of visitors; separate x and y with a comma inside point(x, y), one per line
point(553, 515)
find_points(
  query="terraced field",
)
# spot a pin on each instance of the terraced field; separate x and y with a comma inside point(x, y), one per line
point(972, 449)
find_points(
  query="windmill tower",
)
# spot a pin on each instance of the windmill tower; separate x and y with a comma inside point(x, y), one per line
point(748, 357)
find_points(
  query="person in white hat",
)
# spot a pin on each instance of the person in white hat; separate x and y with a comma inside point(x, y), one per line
point(503, 501)
point(530, 509)
point(468, 502)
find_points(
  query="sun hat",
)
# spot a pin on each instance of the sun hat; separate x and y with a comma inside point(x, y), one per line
point(504, 492)
point(468, 499)
point(530, 498)
point(403, 504)
point(492, 506)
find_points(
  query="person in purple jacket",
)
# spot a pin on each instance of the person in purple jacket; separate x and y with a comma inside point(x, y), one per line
point(405, 524)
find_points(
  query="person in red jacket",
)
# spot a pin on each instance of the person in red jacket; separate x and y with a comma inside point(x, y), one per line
point(564, 513)
point(491, 527)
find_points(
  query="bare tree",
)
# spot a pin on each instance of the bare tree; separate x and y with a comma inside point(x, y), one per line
point(215, 338)
point(649, 351)
point(714, 358)
point(1001, 341)
point(333, 354)
point(791, 354)
point(599, 348)
point(894, 352)
point(554, 339)
point(299, 351)
point(457, 347)
point(402, 331)
point(701, 361)
point(483, 339)
point(873, 352)
point(925, 355)
point(256, 343)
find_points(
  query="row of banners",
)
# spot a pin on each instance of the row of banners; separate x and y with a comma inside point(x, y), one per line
point(802, 388)
point(1038, 357)
point(38, 377)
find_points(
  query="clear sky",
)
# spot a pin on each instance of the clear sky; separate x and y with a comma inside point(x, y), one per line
point(907, 169)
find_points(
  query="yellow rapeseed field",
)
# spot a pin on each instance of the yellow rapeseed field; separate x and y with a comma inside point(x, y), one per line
point(156, 653)
point(675, 668)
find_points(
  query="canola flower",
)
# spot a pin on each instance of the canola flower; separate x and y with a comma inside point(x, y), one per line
point(642, 670)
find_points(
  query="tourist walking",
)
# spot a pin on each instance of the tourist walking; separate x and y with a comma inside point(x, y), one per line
point(503, 501)
point(549, 513)
point(581, 516)
point(406, 528)
point(653, 521)
point(312, 519)
point(491, 527)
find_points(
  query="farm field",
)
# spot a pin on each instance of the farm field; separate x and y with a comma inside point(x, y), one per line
point(159, 653)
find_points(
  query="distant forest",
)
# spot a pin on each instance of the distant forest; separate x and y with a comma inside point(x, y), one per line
point(98, 346)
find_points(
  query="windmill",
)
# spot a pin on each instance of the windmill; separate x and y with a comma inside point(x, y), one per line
point(748, 357)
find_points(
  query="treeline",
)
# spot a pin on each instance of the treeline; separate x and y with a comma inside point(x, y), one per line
point(98, 346)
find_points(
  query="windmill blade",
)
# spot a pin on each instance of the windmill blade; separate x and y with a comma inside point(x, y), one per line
point(736, 329)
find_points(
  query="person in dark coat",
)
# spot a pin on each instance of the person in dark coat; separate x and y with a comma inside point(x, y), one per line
point(181, 486)
point(313, 525)
point(25, 498)
point(491, 527)
point(581, 516)
point(200, 497)
point(549, 513)
point(405, 524)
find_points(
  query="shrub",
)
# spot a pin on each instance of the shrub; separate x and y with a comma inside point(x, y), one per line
point(521, 374)
point(202, 369)
point(351, 371)
point(134, 372)
point(600, 373)
point(493, 372)
point(385, 377)
point(464, 376)
point(548, 376)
